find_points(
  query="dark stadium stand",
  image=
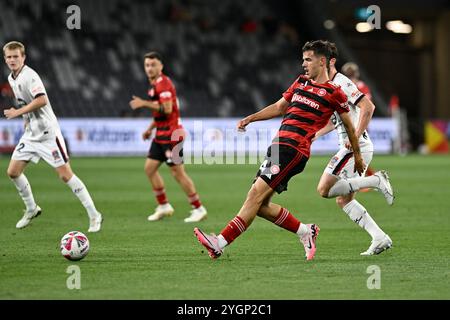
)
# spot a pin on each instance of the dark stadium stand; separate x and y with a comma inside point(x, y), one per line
point(223, 62)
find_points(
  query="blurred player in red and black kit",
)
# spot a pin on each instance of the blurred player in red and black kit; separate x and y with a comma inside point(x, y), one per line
point(167, 143)
point(306, 107)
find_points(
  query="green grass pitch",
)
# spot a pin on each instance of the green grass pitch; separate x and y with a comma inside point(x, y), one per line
point(132, 258)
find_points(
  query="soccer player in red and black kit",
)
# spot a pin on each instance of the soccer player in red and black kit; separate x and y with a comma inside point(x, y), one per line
point(167, 143)
point(306, 107)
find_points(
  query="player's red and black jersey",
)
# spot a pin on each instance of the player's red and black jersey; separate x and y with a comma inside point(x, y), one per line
point(162, 90)
point(310, 107)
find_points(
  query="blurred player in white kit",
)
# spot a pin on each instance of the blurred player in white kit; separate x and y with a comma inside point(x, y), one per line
point(338, 179)
point(42, 138)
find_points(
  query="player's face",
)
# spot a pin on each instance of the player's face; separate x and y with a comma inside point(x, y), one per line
point(153, 68)
point(14, 59)
point(312, 64)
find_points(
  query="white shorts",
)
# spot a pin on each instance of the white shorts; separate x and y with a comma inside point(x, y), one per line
point(342, 164)
point(52, 150)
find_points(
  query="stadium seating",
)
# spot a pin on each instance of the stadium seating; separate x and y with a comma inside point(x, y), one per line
point(223, 62)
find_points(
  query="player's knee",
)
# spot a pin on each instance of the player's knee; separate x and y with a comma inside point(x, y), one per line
point(65, 177)
point(12, 173)
point(178, 173)
point(149, 171)
point(323, 191)
point(342, 201)
point(254, 196)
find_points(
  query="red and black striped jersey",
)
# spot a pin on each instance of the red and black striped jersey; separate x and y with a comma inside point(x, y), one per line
point(162, 90)
point(311, 105)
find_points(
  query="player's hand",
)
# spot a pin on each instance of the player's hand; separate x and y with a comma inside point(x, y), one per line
point(147, 134)
point(137, 103)
point(11, 113)
point(359, 164)
point(242, 124)
point(348, 145)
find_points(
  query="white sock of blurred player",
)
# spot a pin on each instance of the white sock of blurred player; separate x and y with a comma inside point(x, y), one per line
point(346, 186)
point(24, 188)
point(79, 189)
point(359, 214)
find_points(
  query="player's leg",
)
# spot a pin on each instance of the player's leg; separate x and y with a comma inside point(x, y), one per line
point(54, 152)
point(354, 210)
point(358, 213)
point(326, 182)
point(156, 156)
point(258, 193)
point(164, 208)
point(15, 173)
point(151, 171)
point(20, 181)
point(198, 211)
point(80, 190)
point(24, 152)
point(280, 216)
point(280, 165)
point(340, 163)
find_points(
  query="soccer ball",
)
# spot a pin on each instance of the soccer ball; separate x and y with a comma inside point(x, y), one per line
point(74, 245)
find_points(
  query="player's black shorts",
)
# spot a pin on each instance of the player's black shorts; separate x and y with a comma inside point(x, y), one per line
point(280, 165)
point(171, 154)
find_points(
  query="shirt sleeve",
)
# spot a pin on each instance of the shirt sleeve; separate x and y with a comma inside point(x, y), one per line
point(36, 86)
point(364, 89)
point(354, 95)
point(340, 101)
point(165, 89)
point(287, 95)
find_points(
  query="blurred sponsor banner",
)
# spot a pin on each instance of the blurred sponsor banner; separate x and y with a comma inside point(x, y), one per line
point(437, 135)
point(207, 137)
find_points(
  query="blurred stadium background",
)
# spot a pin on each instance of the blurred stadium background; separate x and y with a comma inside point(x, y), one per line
point(227, 59)
point(231, 58)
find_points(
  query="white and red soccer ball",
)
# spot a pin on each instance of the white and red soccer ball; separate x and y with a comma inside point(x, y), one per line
point(74, 245)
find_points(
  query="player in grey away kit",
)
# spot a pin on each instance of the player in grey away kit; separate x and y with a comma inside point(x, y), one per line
point(42, 138)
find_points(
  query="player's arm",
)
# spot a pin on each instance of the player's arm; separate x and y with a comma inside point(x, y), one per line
point(365, 115)
point(137, 103)
point(164, 107)
point(359, 163)
point(328, 128)
point(271, 111)
point(35, 104)
point(147, 133)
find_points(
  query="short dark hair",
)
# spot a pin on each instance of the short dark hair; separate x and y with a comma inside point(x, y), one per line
point(320, 48)
point(153, 55)
point(334, 53)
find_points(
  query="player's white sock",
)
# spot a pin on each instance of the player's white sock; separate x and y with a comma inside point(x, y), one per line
point(359, 214)
point(302, 229)
point(79, 189)
point(24, 188)
point(343, 187)
point(222, 242)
